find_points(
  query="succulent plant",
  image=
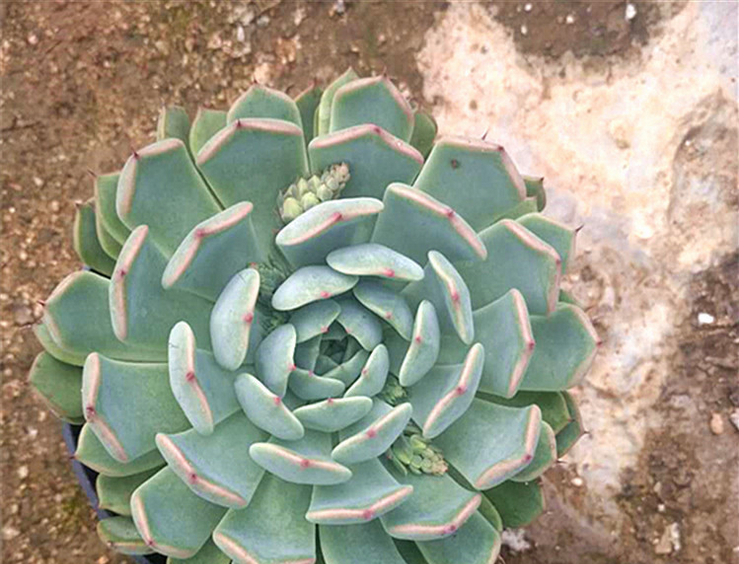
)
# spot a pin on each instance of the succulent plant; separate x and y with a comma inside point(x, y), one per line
point(310, 331)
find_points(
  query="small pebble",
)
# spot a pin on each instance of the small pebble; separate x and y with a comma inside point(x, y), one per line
point(705, 318)
point(23, 472)
point(734, 418)
point(570, 19)
point(527, 7)
point(524, 30)
point(717, 424)
point(630, 12)
point(577, 482)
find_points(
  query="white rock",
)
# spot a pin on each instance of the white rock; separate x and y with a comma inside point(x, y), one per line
point(630, 11)
point(705, 318)
point(515, 539)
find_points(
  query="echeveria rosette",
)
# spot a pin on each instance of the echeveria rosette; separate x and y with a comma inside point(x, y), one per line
point(309, 331)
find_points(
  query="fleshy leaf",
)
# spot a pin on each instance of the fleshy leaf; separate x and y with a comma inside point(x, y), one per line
point(120, 534)
point(413, 223)
point(252, 160)
point(160, 187)
point(314, 319)
point(266, 409)
point(127, 429)
point(477, 540)
point(209, 554)
point(571, 433)
point(114, 493)
point(446, 289)
point(206, 124)
point(559, 236)
point(518, 503)
point(386, 304)
point(553, 405)
point(306, 461)
point(307, 102)
point(373, 434)
point(327, 100)
point(213, 252)
point(535, 188)
point(499, 455)
point(360, 323)
point(370, 493)
point(438, 508)
point(234, 327)
point(174, 123)
point(310, 387)
point(58, 384)
point(141, 311)
point(332, 415)
point(330, 225)
point(474, 177)
point(366, 543)
point(275, 358)
point(106, 187)
point(310, 284)
point(203, 389)
point(371, 259)
point(262, 102)
point(446, 392)
point(92, 453)
point(373, 375)
point(566, 344)
point(77, 318)
point(375, 158)
point(516, 259)
point(504, 329)
point(544, 456)
point(373, 100)
point(424, 133)
point(170, 518)
point(86, 243)
point(217, 468)
point(41, 332)
point(272, 528)
point(423, 350)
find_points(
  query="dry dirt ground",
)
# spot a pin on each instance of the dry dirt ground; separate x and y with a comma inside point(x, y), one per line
point(81, 85)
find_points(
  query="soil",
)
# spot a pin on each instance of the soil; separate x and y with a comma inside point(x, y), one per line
point(82, 84)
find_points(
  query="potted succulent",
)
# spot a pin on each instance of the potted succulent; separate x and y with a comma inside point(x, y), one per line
point(309, 331)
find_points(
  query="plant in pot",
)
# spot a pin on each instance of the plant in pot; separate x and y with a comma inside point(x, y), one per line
point(309, 331)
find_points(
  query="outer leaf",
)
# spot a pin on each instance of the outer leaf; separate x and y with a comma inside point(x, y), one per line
point(252, 160)
point(114, 493)
point(516, 259)
point(307, 102)
point(571, 433)
point(92, 453)
point(544, 456)
point(327, 100)
point(498, 456)
point(141, 311)
point(272, 529)
point(58, 384)
point(173, 122)
point(207, 123)
point(41, 332)
point(120, 534)
point(217, 468)
point(127, 429)
point(170, 518)
point(351, 543)
point(566, 344)
point(161, 177)
point(374, 100)
point(209, 554)
point(477, 540)
point(438, 508)
point(559, 236)
point(554, 410)
point(535, 188)
point(474, 177)
point(375, 158)
point(213, 252)
point(424, 132)
point(262, 102)
point(106, 187)
point(86, 243)
point(519, 503)
point(414, 223)
point(78, 320)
